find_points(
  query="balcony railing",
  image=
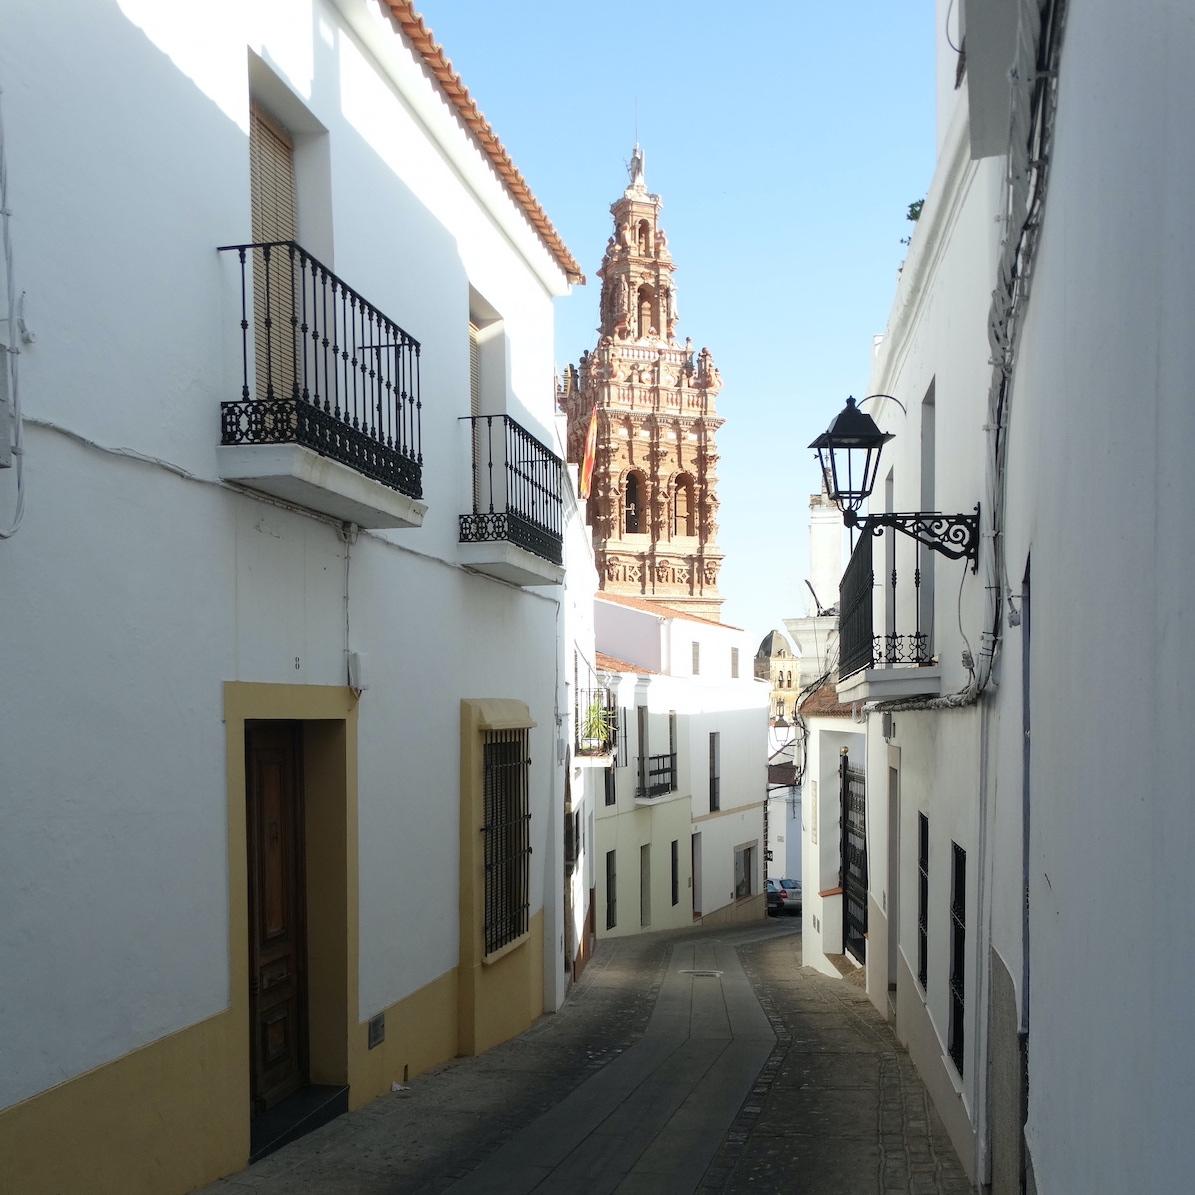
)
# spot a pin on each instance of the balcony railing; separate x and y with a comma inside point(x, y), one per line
point(516, 489)
point(595, 722)
point(657, 775)
point(326, 370)
point(860, 647)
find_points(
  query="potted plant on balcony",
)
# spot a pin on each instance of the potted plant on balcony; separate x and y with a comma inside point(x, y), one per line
point(597, 724)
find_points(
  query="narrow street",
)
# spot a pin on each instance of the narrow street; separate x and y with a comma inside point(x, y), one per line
point(703, 1060)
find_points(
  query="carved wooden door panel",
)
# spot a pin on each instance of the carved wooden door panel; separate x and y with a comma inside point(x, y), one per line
point(277, 900)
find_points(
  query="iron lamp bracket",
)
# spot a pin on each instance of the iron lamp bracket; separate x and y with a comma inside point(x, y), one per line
point(956, 536)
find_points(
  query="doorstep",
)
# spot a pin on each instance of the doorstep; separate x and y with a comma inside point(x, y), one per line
point(308, 1109)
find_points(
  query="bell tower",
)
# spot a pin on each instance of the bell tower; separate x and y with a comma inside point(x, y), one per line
point(653, 498)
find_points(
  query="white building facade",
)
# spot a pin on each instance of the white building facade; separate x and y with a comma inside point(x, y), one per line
point(680, 827)
point(1018, 818)
point(280, 625)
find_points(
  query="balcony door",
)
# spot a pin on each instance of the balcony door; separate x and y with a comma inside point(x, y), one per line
point(274, 217)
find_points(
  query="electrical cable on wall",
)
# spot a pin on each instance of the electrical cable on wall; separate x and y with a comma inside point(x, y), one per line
point(10, 351)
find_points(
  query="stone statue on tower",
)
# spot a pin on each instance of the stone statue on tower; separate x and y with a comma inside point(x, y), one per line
point(635, 167)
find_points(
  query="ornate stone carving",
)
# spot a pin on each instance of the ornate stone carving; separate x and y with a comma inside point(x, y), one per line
point(654, 393)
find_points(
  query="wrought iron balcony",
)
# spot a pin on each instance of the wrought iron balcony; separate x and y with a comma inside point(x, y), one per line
point(889, 665)
point(515, 529)
point(323, 370)
point(595, 723)
point(657, 776)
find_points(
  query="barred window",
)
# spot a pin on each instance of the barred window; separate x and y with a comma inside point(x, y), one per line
point(611, 889)
point(922, 900)
point(715, 771)
point(958, 950)
point(507, 837)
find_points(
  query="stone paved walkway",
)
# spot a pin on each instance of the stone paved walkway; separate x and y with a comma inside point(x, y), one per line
point(654, 1077)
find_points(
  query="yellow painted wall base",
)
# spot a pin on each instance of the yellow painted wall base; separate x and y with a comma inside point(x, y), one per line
point(501, 999)
point(750, 908)
point(168, 1117)
point(171, 1116)
point(420, 1033)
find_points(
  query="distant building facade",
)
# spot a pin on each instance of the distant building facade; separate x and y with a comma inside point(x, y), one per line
point(680, 831)
point(779, 665)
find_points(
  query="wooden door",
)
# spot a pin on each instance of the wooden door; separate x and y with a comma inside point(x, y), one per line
point(277, 903)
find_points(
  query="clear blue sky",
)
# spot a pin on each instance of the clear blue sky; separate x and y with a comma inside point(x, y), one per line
point(787, 140)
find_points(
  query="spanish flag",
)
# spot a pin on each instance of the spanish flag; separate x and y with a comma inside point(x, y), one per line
point(590, 453)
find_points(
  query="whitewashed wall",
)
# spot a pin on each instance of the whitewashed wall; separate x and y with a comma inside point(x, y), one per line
point(737, 709)
point(586, 784)
point(714, 649)
point(1103, 428)
point(636, 632)
point(821, 858)
point(139, 592)
point(1099, 495)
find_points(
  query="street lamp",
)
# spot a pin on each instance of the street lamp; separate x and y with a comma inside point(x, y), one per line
point(849, 454)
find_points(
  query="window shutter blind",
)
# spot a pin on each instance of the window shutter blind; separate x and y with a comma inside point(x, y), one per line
point(474, 371)
point(273, 217)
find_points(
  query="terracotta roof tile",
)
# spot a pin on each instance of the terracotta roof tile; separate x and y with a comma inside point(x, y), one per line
point(823, 703)
point(661, 609)
point(614, 664)
point(450, 83)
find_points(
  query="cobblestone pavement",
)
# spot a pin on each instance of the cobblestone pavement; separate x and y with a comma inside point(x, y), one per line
point(788, 1080)
point(838, 1107)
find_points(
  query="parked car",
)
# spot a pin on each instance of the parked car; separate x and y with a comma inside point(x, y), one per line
point(784, 896)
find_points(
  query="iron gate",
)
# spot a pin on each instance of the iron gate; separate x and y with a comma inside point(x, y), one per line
point(854, 858)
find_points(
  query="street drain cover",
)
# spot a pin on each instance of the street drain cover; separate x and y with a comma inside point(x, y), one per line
point(692, 971)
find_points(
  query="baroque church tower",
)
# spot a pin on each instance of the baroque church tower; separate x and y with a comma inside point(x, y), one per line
point(653, 500)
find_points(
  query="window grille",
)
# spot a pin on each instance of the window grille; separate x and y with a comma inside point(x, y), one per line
point(507, 837)
point(696, 658)
point(734, 663)
point(958, 951)
point(922, 899)
point(611, 889)
point(645, 886)
point(715, 766)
